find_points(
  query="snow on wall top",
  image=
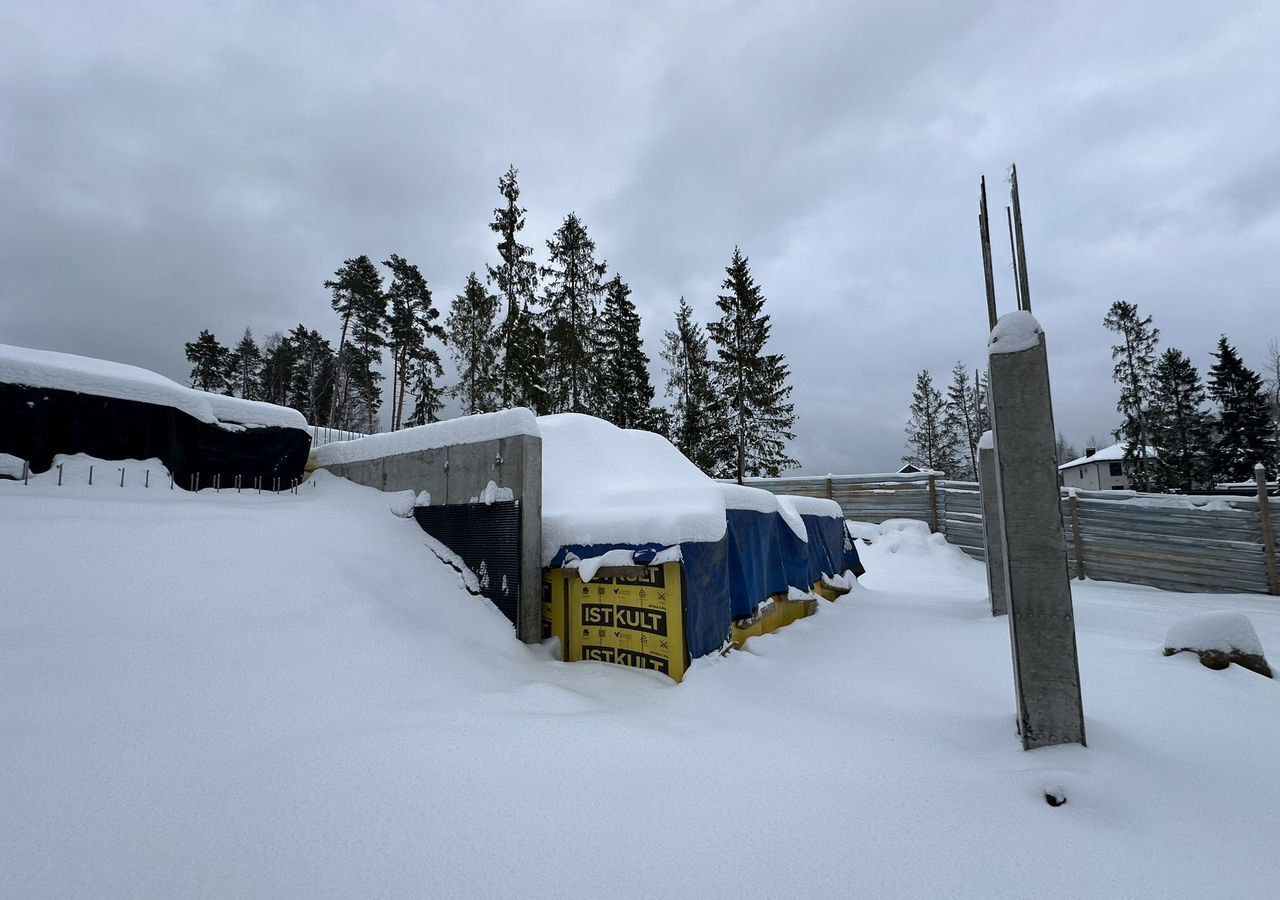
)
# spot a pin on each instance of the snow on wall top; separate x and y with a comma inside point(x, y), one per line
point(1114, 453)
point(987, 441)
point(100, 377)
point(812, 506)
point(462, 430)
point(1014, 332)
point(605, 485)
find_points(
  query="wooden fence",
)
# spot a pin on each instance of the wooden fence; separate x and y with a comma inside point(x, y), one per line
point(1192, 543)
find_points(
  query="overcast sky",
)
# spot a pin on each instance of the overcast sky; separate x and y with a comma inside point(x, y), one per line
point(168, 167)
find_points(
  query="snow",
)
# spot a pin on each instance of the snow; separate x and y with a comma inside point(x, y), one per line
point(494, 494)
point(423, 499)
point(12, 466)
point(811, 506)
point(85, 375)
point(290, 696)
point(1224, 630)
point(738, 496)
point(1114, 453)
point(462, 430)
point(605, 485)
point(1014, 332)
point(587, 568)
point(987, 441)
point(402, 504)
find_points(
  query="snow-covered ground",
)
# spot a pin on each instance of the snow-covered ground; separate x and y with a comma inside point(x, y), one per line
point(250, 696)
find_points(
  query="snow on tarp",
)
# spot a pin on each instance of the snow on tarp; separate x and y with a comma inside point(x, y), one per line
point(451, 432)
point(606, 485)
point(102, 378)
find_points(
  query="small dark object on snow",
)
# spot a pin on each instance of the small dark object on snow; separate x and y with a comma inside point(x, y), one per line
point(1219, 659)
point(1055, 798)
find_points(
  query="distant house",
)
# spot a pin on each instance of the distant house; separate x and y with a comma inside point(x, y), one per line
point(910, 469)
point(1099, 470)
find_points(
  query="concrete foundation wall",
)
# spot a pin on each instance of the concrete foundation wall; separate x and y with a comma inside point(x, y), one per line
point(459, 474)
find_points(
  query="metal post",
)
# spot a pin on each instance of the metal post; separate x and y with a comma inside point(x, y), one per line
point(59, 474)
point(1022, 247)
point(26, 469)
point(997, 590)
point(1075, 537)
point(984, 231)
point(1268, 530)
point(933, 504)
point(91, 475)
point(146, 480)
point(1041, 620)
point(122, 476)
point(1013, 250)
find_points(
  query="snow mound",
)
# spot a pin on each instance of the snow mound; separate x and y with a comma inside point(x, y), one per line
point(606, 485)
point(102, 378)
point(1223, 630)
point(462, 430)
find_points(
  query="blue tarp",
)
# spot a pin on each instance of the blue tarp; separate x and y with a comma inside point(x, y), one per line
point(758, 557)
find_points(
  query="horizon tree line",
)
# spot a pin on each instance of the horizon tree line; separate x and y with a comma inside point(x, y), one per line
point(561, 337)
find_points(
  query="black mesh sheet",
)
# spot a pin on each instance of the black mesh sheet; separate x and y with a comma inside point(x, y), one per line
point(37, 423)
point(487, 537)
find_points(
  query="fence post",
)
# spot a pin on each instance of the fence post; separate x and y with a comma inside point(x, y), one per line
point(1075, 536)
point(1268, 531)
point(829, 487)
point(933, 504)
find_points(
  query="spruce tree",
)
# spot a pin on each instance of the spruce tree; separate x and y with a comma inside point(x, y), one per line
point(276, 372)
point(243, 365)
point(1063, 451)
point(572, 289)
point(411, 322)
point(963, 416)
point(1244, 421)
point(428, 393)
point(209, 363)
point(516, 278)
point(359, 302)
point(695, 426)
point(524, 363)
point(752, 384)
point(314, 380)
point(934, 443)
point(1181, 428)
point(1135, 357)
point(625, 391)
point(472, 341)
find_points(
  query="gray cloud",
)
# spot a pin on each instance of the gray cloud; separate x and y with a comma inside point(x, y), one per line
point(168, 168)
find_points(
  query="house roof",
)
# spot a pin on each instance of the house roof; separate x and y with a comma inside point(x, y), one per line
point(1114, 453)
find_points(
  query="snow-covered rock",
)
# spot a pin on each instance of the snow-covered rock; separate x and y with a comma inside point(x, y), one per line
point(1219, 638)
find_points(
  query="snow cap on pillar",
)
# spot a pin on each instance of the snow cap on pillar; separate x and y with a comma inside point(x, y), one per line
point(1014, 332)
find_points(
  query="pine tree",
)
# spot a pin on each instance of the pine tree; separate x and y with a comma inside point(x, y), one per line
point(625, 391)
point(516, 278)
point(571, 297)
point(963, 415)
point(1135, 358)
point(242, 366)
point(411, 321)
point(1181, 429)
point(209, 363)
point(695, 426)
point(359, 302)
point(472, 341)
point(934, 444)
point(1244, 420)
point(1273, 397)
point(752, 384)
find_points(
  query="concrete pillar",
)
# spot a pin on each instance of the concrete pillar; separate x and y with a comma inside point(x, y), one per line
point(992, 540)
point(1038, 585)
